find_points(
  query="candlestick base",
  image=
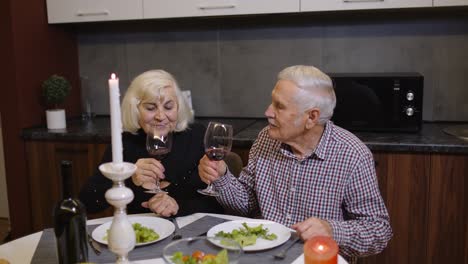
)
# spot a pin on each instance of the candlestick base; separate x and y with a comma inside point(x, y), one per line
point(121, 237)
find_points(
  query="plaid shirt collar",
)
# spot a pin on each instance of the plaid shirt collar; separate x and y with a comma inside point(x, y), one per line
point(321, 150)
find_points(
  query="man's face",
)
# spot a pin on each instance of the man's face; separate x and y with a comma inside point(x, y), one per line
point(285, 120)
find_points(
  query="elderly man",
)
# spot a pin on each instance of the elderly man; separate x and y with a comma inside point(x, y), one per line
point(306, 172)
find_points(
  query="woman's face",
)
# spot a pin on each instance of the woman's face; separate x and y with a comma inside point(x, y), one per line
point(159, 113)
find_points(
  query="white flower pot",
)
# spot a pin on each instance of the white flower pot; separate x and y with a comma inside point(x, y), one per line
point(56, 119)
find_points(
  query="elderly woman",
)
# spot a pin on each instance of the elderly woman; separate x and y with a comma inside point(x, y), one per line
point(154, 99)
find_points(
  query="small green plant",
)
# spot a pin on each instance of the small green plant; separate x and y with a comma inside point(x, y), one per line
point(55, 89)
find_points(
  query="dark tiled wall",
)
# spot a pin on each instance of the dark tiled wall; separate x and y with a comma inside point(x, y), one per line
point(231, 67)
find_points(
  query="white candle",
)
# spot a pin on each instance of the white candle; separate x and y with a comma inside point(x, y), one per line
point(116, 121)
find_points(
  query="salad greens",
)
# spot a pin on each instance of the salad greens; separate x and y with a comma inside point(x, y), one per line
point(247, 235)
point(143, 234)
point(199, 257)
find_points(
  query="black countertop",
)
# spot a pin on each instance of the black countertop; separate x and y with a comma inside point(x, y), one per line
point(431, 139)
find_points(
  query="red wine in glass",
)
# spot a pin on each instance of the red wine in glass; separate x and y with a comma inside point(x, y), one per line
point(216, 153)
point(159, 153)
point(218, 143)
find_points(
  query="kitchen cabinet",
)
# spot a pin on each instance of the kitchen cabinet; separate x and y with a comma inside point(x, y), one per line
point(404, 185)
point(43, 160)
point(328, 5)
point(447, 238)
point(450, 2)
point(426, 201)
point(191, 8)
point(67, 11)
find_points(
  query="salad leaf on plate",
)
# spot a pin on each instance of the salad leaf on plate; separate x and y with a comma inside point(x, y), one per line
point(247, 235)
point(143, 234)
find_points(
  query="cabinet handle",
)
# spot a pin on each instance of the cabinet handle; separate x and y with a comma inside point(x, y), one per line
point(207, 7)
point(357, 1)
point(96, 13)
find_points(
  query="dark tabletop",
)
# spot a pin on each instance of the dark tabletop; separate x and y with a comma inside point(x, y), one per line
point(431, 138)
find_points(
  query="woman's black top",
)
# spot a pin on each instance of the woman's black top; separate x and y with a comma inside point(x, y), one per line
point(181, 170)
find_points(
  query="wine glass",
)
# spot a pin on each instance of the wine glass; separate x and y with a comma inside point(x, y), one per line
point(158, 145)
point(218, 143)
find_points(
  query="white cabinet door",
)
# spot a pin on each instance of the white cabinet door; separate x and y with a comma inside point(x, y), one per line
point(65, 11)
point(323, 5)
point(194, 8)
point(450, 2)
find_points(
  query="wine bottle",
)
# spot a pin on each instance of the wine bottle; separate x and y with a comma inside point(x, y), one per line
point(70, 222)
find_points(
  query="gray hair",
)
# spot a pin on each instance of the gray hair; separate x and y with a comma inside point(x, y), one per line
point(148, 85)
point(316, 89)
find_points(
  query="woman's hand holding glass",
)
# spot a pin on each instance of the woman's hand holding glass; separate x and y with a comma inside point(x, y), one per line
point(158, 145)
point(149, 172)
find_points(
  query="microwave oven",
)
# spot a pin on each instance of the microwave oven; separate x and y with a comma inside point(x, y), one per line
point(379, 102)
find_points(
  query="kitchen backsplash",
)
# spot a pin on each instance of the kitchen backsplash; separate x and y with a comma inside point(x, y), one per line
point(231, 70)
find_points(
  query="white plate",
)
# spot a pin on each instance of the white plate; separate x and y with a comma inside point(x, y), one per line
point(161, 226)
point(280, 230)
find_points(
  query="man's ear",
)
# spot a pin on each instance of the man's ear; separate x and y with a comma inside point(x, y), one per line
point(313, 116)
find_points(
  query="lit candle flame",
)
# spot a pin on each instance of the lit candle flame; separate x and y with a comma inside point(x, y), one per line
point(113, 77)
point(320, 247)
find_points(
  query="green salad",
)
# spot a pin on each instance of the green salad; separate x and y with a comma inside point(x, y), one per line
point(143, 234)
point(199, 257)
point(247, 235)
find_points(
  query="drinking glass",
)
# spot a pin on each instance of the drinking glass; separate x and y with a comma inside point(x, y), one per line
point(218, 143)
point(158, 145)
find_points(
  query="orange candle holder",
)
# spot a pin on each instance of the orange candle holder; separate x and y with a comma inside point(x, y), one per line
point(320, 250)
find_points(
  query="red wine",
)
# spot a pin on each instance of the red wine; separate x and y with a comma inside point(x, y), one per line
point(159, 153)
point(216, 153)
point(70, 223)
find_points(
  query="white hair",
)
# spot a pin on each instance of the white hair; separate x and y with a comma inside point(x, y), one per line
point(148, 85)
point(315, 89)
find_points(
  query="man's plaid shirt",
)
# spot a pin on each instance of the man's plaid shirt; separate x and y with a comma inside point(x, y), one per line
point(336, 183)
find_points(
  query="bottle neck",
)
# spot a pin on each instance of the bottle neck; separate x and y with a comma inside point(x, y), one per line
point(67, 181)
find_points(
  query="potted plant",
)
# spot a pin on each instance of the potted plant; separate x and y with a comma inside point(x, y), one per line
point(54, 90)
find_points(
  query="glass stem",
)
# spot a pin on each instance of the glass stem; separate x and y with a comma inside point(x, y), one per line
point(158, 184)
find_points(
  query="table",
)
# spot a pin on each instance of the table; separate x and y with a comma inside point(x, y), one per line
point(21, 250)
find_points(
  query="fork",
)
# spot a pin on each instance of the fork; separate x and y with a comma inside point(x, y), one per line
point(282, 253)
point(176, 234)
point(94, 245)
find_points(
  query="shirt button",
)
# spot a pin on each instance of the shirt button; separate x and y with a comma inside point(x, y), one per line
point(293, 189)
point(288, 216)
point(189, 172)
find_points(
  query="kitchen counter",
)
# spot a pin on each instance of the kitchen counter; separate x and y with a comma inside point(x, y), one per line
point(431, 138)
